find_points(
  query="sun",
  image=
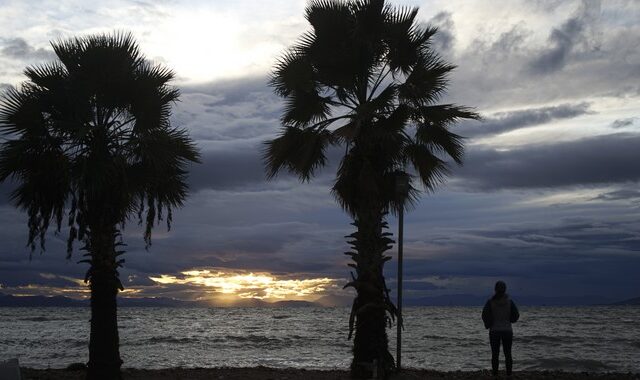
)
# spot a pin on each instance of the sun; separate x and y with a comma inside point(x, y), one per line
point(203, 45)
point(264, 286)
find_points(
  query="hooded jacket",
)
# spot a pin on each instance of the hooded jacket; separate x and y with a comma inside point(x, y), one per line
point(498, 314)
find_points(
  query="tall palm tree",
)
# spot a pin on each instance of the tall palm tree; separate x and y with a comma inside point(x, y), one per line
point(89, 139)
point(366, 78)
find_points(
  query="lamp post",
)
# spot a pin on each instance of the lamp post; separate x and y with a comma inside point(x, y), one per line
point(402, 190)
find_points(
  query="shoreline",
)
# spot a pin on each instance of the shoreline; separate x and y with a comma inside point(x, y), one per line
point(266, 373)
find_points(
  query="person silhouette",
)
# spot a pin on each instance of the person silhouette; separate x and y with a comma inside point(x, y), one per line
point(498, 314)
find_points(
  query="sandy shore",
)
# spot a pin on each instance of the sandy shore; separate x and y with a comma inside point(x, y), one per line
point(263, 373)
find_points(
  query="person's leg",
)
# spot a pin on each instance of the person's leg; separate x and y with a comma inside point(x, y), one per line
point(507, 341)
point(494, 340)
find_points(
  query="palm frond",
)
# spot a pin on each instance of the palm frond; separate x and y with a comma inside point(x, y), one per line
point(41, 172)
point(381, 104)
point(49, 75)
point(347, 132)
point(439, 139)
point(153, 75)
point(422, 38)
point(330, 19)
point(19, 109)
point(426, 83)
point(403, 48)
point(445, 114)
point(293, 72)
point(397, 119)
point(332, 48)
point(396, 200)
point(370, 16)
point(303, 108)
point(82, 54)
point(300, 151)
point(150, 104)
point(433, 128)
point(360, 182)
point(431, 169)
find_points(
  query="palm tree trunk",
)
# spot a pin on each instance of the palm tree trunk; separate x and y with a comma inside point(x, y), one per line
point(370, 346)
point(104, 351)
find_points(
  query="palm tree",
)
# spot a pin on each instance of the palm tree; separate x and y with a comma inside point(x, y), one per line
point(89, 139)
point(365, 78)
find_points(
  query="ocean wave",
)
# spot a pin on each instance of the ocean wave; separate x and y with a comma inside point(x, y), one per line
point(266, 341)
point(549, 339)
point(38, 319)
point(76, 342)
point(453, 339)
point(171, 340)
point(259, 340)
point(48, 318)
point(567, 364)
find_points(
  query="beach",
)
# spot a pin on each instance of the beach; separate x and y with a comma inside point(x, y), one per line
point(265, 373)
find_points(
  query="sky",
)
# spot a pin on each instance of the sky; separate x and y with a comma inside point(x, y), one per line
point(547, 199)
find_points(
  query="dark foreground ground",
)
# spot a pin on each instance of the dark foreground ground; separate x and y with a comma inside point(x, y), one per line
point(263, 373)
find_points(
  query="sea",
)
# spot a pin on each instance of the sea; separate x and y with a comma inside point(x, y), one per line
point(594, 339)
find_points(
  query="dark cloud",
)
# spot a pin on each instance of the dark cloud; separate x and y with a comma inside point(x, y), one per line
point(19, 48)
point(569, 235)
point(17, 268)
point(548, 5)
point(620, 195)
point(244, 168)
point(228, 169)
point(233, 90)
point(509, 121)
point(564, 38)
point(572, 254)
point(226, 114)
point(622, 123)
point(510, 41)
point(5, 191)
point(590, 161)
point(151, 9)
point(443, 40)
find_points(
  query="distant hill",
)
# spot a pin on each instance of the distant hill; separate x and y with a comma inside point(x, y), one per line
point(292, 304)
point(446, 300)
point(158, 302)
point(473, 300)
point(39, 301)
point(326, 301)
point(630, 302)
point(59, 301)
point(335, 301)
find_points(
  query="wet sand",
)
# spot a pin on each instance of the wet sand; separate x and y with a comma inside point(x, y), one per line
point(264, 373)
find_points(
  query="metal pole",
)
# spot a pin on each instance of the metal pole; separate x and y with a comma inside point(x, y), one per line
point(399, 335)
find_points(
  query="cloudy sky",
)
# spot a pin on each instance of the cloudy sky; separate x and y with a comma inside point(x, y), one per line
point(548, 197)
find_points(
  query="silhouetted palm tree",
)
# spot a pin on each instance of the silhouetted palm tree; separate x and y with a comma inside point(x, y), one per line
point(89, 138)
point(367, 79)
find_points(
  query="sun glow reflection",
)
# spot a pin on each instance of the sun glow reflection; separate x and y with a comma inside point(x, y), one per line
point(249, 285)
